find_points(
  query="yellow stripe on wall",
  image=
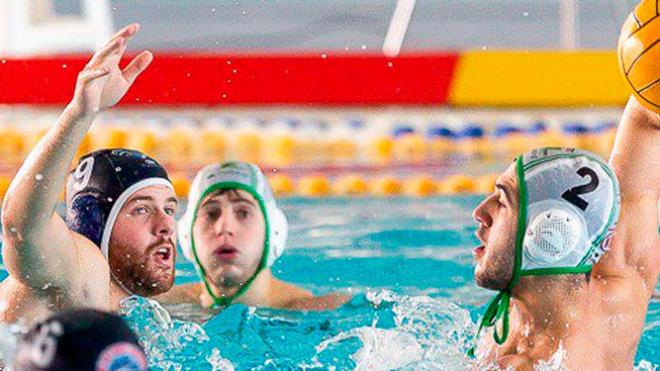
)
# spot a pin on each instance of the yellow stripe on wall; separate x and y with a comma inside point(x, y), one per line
point(539, 78)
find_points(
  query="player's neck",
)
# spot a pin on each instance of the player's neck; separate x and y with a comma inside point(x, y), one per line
point(117, 294)
point(257, 295)
point(549, 305)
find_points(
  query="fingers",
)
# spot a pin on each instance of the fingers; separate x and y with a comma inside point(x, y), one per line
point(137, 66)
point(90, 75)
point(116, 45)
point(126, 32)
point(110, 48)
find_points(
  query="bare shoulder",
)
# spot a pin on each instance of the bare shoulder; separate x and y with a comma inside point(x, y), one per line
point(288, 296)
point(326, 302)
point(180, 294)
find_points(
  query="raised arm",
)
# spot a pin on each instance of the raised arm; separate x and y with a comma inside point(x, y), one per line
point(38, 249)
point(635, 248)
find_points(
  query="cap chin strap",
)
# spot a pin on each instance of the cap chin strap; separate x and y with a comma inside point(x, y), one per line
point(498, 307)
point(225, 301)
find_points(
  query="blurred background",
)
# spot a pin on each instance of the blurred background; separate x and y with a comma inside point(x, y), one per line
point(330, 97)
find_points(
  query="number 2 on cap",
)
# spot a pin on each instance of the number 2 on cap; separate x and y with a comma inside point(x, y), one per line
point(573, 194)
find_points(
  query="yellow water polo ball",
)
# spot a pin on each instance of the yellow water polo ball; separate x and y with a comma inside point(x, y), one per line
point(639, 53)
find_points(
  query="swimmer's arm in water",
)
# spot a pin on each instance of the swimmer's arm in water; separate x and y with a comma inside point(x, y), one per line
point(635, 248)
point(39, 250)
point(287, 296)
point(326, 302)
point(180, 294)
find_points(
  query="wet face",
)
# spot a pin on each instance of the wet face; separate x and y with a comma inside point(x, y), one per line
point(498, 217)
point(229, 235)
point(142, 245)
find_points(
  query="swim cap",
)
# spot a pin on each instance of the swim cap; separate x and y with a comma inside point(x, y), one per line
point(569, 207)
point(246, 177)
point(101, 184)
point(82, 339)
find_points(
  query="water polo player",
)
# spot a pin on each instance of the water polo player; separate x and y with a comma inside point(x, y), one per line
point(81, 339)
point(118, 237)
point(233, 231)
point(570, 283)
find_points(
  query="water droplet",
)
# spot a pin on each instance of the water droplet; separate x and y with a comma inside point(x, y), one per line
point(324, 56)
point(228, 62)
point(64, 66)
point(212, 10)
point(484, 47)
point(4, 61)
point(224, 95)
point(114, 8)
point(390, 64)
point(234, 71)
point(244, 12)
point(188, 75)
point(525, 14)
point(118, 169)
point(109, 199)
point(363, 47)
point(38, 177)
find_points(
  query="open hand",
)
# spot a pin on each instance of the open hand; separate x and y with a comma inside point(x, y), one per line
point(101, 84)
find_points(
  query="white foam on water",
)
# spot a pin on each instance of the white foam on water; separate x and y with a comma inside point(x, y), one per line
point(646, 366)
point(8, 338)
point(429, 334)
point(170, 344)
point(382, 349)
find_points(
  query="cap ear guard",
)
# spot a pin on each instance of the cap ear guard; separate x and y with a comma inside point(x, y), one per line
point(85, 216)
point(554, 233)
point(183, 235)
point(279, 230)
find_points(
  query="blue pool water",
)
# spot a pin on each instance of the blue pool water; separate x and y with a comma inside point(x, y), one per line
point(408, 264)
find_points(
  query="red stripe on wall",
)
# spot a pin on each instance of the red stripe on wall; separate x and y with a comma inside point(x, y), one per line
point(215, 79)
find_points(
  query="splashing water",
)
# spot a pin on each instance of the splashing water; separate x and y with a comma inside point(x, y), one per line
point(170, 344)
point(379, 330)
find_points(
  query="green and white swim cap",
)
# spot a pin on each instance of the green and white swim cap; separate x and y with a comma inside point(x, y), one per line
point(571, 201)
point(246, 177)
point(568, 209)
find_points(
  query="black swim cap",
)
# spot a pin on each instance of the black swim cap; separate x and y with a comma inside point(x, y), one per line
point(100, 185)
point(82, 339)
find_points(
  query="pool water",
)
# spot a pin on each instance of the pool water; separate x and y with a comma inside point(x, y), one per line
point(407, 262)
